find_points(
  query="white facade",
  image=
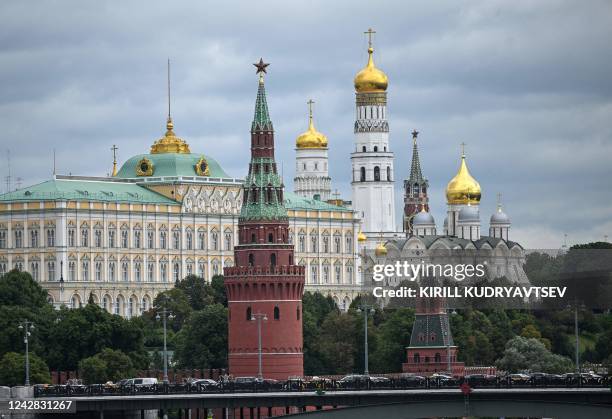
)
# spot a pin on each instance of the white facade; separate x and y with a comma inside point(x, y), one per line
point(312, 176)
point(123, 254)
point(372, 165)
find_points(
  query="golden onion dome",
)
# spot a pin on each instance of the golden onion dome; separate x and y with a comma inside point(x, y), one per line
point(371, 79)
point(463, 188)
point(361, 238)
point(170, 143)
point(311, 138)
point(380, 250)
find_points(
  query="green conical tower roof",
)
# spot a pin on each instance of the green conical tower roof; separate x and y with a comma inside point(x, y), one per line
point(261, 120)
point(263, 187)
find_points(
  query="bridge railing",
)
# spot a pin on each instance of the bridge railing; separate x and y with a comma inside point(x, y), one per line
point(359, 383)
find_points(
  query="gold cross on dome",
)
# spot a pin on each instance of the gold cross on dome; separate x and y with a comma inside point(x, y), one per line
point(370, 32)
point(463, 149)
point(114, 149)
point(310, 103)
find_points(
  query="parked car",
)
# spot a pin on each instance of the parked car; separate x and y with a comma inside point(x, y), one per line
point(443, 380)
point(411, 380)
point(203, 384)
point(353, 381)
point(247, 383)
point(518, 379)
point(141, 384)
point(590, 378)
point(319, 383)
point(379, 382)
point(480, 380)
point(75, 386)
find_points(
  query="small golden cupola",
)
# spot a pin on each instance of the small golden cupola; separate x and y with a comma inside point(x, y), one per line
point(311, 138)
point(463, 188)
point(371, 79)
point(380, 250)
point(361, 237)
point(170, 143)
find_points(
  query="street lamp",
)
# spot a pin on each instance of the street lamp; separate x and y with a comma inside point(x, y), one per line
point(165, 315)
point(366, 308)
point(26, 326)
point(576, 306)
point(61, 281)
point(259, 317)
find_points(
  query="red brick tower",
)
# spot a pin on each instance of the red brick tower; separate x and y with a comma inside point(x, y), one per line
point(265, 280)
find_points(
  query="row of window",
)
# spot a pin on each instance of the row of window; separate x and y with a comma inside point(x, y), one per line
point(191, 241)
point(200, 242)
point(377, 178)
point(113, 274)
point(18, 239)
point(325, 241)
point(364, 149)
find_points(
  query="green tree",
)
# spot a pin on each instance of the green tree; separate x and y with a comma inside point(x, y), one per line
point(12, 370)
point(92, 370)
point(337, 342)
point(108, 365)
point(315, 308)
point(531, 354)
point(394, 337)
point(202, 342)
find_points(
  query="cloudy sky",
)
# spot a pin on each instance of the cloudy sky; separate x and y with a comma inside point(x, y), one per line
point(526, 84)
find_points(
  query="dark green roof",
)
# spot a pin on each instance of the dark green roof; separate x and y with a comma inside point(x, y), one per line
point(430, 330)
point(85, 190)
point(171, 164)
point(296, 202)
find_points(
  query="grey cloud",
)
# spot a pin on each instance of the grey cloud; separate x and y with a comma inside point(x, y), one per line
point(525, 84)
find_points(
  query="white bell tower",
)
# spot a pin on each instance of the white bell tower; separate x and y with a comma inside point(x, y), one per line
point(372, 159)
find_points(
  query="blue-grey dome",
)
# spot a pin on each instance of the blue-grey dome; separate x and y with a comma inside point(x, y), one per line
point(423, 218)
point(468, 214)
point(500, 217)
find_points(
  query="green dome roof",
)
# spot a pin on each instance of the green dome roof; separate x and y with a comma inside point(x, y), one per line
point(171, 164)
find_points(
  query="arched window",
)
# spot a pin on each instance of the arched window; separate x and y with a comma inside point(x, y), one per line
point(251, 259)
point(417, 358)
point(362, 174)
point(276, 313)
point(253, 238)
point(363, 149)
point(375, 148)
point(249, 313)
point(298, 313)
point(270, 238)
point(389, 173)
point(273, 259)
point(437, 357)
point(376, 173)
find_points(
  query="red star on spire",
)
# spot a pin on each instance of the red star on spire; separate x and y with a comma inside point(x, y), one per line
point(261, 66)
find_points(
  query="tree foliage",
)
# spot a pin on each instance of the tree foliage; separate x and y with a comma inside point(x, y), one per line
point(12, 370)
point(531, 354)
point(108, 365)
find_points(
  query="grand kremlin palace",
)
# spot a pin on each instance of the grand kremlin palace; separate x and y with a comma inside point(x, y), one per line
point(124, 238)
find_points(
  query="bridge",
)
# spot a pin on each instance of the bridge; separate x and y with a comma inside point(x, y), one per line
point(415, 403)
